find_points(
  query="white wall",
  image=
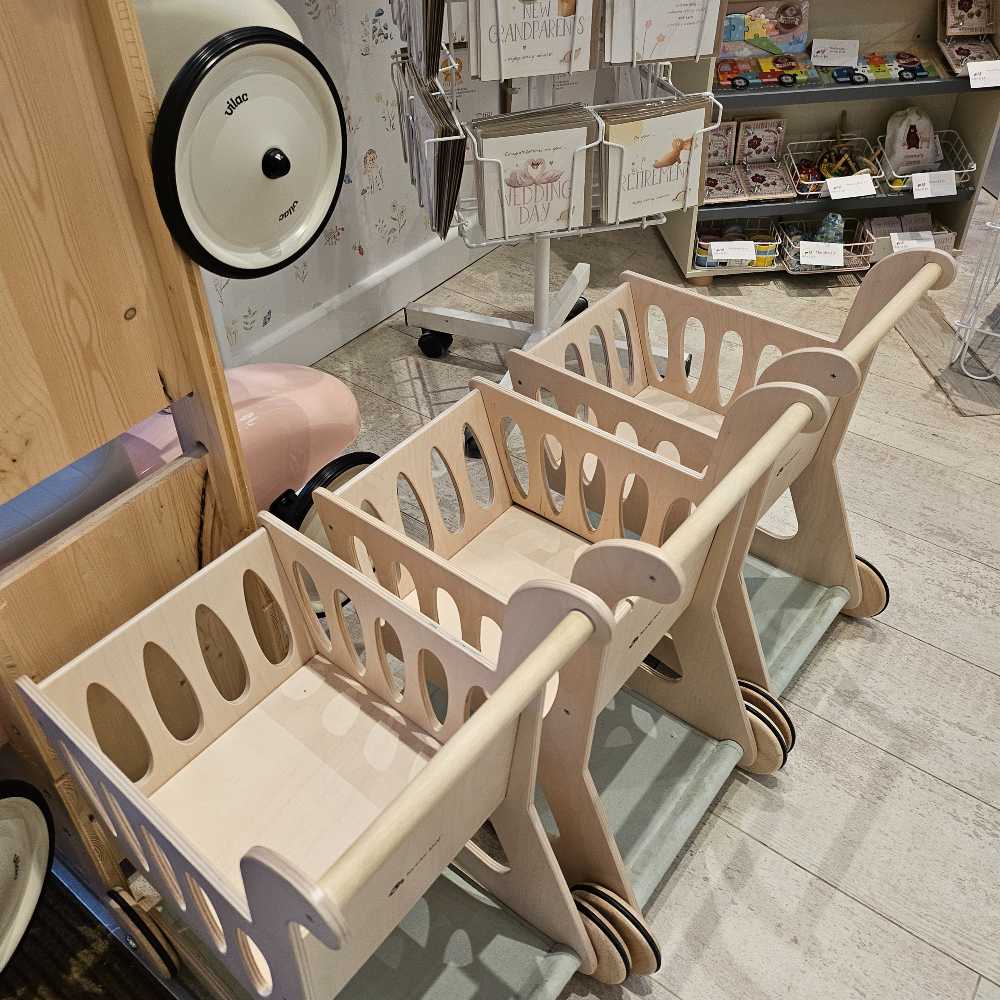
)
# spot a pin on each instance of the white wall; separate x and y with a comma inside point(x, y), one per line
point(377, 252)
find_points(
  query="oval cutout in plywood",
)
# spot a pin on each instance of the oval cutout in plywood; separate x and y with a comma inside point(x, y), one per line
point(125, 831)
point(476, 469)
point(474, 701)
point(434, 685)
point(351, 630)
point(164, 867)
point(258, 971)
point(623, 346)
point(362, 561)
point(267, 619)
point(318, 619)
point(572, 360)
point(490, 636)
point(694, 345)
point(730, 365)
point(634, 506)
point(391, 655)
point(486, 845)
point(547, 398)
point(767, 357)
point(448, 615)
point(593, 489)
point(676, 515)
point(207, 912)
point(412, 512)
point(221, 653)
point(656, 332)
point(555, 472)
point(625, 431)
point(117, 733)
point(446, 493)
point(599, 356)
point(172, 693)
point(513, 442)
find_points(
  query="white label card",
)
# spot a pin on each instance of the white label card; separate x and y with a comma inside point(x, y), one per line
point(938, 184)
point(835, 51)
point(984, 73)
point(856, 186)
point(821, 254)
point(911, 241)
point(741, 250)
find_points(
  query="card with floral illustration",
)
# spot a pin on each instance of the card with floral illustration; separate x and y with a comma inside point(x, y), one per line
point(722, 145)
point(724, 184)
point(760, 141)
point(968, 17)
point(648, 30)
point(961, 51)
point(767, 181)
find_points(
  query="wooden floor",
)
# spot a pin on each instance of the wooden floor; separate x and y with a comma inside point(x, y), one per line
point(871, 867)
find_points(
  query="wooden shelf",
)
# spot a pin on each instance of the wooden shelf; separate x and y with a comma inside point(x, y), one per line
point(885, 203)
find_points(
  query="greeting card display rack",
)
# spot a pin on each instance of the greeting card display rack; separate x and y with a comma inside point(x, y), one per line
point(977, 334)
point(440, 324)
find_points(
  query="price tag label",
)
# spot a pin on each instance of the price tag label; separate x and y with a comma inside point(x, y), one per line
point(911, 241)
point(857, 186)
point(984, 73)
point(821, 254)
point(735, 250)
point(835, 51)
point(938, 184)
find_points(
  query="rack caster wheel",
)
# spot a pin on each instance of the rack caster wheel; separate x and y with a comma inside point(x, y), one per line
point(582, 304)
point(623, 942)
point(772, 728)
point(434, 344)
point(26, 846)
point(146, 937)
point(874, 592)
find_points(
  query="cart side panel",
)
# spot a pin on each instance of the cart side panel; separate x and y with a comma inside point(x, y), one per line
point(401, 487)
point(760, 340)
point(602, 344)
point(159, 689)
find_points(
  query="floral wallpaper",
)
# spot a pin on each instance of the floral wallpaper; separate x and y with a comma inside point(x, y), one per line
point(378, 218)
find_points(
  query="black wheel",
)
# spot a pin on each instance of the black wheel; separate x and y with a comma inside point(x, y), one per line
point(786, 80)
point(907, 74)
point(739, 83)
point(582, 304)
point(296, 509)
point(859, 78)
point(149, 940)
point(27, 840)
point(434, 344)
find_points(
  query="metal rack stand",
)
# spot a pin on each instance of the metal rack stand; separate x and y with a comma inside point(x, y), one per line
point(440, 324)
point(978, 331)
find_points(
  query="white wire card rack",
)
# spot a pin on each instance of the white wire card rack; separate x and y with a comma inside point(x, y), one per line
point(977, 335)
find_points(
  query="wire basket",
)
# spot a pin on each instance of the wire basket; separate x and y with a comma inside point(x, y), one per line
point(859, 245)
point(812, 151)
point(764, 236)
point(954, 156)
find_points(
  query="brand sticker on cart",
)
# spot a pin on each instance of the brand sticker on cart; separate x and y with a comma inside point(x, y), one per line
point(856, 186)
point(821, 254)
point(939, 184)
point(735, 250)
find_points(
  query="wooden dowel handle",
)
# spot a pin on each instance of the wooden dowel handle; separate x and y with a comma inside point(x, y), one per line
point(429, 791)
point(871, 334)
point(726, 496)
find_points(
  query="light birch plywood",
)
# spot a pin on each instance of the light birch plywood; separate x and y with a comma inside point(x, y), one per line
point(875, 834)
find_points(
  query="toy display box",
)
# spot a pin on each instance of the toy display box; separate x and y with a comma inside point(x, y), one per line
point(753, 29)
point(783, 70)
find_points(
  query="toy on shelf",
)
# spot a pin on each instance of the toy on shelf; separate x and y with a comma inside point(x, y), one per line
point(882, 67)
point(754, 28)
point(853, 235)
point(785, 70)
point(755, 170)
point(765, 241)
point(647, 390)
point(812, 162)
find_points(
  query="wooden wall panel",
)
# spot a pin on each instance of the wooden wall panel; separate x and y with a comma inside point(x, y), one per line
point(76, 256)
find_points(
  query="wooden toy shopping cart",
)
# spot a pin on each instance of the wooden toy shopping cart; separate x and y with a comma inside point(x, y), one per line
point(620, 366)
point(506, 523)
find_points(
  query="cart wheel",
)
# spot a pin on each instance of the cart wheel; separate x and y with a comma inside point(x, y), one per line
point(613, 963)
point(771, 752)
point(434, 344)
point(582, 304)
point(874, 592)
point(145, 937)
point(26, 844)
point(643, 951)
point(762, 699)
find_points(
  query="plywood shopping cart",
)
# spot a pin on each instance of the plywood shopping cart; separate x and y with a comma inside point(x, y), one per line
point(620, 365)
point(506, 523)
